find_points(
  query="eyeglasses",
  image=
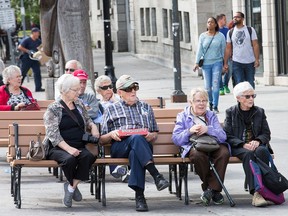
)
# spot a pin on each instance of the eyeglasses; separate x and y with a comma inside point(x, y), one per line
point(134, 87)
point(200, 101)
point(70, 69)
point(75, 90)
point(248, 96)
point(237, 17)
point(106, 87)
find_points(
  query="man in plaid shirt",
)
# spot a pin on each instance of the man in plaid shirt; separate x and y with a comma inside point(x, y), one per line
point(130, 113)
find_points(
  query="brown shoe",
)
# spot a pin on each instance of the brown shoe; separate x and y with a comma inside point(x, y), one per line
point(258, 200)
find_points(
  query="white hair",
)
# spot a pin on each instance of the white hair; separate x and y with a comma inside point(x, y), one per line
point(75, 62)
point(101, 79)
point(241, 87)
point(65, 82)
point(9, 72)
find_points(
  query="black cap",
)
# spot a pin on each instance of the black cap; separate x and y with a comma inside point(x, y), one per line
point(35, 29)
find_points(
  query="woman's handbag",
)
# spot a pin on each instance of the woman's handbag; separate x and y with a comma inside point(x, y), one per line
point(36, 150)
point(201, 62)
point(204, 143)
point(31, 106)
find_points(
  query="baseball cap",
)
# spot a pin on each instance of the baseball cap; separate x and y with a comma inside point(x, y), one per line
point(35, 29)
point(81, 74)
point(124, 81)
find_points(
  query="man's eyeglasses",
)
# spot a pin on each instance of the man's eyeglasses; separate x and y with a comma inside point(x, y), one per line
point(248, 96)
point(237, 17)
point(70, 69)
point(134, 87)
point(106, 87)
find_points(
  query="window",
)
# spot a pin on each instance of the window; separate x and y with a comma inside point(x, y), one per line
point(147, 18)
point(180, 26)
point(154, 21)
point(142, 26)
point(187, 37)
point(165, 23)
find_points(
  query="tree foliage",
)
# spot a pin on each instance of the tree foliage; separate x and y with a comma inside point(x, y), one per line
point(31, 11)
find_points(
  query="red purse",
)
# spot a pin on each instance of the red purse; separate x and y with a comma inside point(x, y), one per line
point(129, 132)
point(31, 106)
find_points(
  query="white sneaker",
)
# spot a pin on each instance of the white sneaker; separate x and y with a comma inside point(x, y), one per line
point(119, 171)
point(258, 200)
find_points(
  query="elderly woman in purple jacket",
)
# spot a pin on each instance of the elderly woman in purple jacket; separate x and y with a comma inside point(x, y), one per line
point(196, 119)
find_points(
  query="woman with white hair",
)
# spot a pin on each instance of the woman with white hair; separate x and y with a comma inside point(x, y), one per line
point(197, 120)
point(248, 134)
point(66, 121)
point(13, 96)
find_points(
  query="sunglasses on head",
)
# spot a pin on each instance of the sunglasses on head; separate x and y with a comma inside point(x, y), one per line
point(70, 69)
point(106, 87)
point(248, 96)
point(132, 87)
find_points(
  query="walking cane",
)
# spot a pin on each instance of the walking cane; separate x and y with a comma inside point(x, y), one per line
point(232, 203)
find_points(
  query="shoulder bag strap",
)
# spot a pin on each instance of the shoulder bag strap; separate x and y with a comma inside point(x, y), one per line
point(70, 113)
point(209, 44)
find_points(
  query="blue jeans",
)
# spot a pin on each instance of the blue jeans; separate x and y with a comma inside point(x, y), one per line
point(226, 76)
point(212, 76)
point(139, 152)
point(244, 72)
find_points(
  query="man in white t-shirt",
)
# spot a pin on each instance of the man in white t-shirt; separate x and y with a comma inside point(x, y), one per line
point(243, 45)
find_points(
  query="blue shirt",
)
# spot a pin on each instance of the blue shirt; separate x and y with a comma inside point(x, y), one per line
point(216, 50)
point(224, 31)
point(30, 44)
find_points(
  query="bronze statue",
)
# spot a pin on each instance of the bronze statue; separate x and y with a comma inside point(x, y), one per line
point(65, 32)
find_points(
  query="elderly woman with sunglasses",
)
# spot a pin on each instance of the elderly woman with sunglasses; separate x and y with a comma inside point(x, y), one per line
point(248, 134)
point(130, 113)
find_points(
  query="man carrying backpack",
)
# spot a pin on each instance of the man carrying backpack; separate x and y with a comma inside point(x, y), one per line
point(242, 44)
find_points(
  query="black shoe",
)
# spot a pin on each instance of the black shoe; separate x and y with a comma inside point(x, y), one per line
point(211, 106)
point(161, 183)
point(206, 196)
point(141, 204)
point(217, 198)
point(40, 90)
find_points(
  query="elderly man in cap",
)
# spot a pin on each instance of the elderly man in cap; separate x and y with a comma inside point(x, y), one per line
point(89, 100)
point(130, 113)
point(29, 46)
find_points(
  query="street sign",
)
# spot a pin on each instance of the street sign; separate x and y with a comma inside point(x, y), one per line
point(4, 4)
point(7, 19)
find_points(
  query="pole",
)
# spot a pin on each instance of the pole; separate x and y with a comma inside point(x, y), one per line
point(177, 95)
point(9, 31)
point(23, 18)
point(109, 68)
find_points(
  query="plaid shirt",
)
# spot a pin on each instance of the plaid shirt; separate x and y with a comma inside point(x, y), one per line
point(120, 116)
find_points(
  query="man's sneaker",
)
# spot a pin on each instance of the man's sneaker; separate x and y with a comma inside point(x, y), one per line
point(77, 196)
point(258, 200)
point(226, 90)
point(67, 196)
point(217, 198)
point(161, 183)
point(211, 106)
point(119, 171)
point(125, 178)
point(141, 204)
point(206, 196)
point(221, 91)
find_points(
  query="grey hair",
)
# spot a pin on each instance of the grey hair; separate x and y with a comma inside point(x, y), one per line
point(202, 92)
point(9, 71)
point(65, 82)
point(78, 64)
point(241, 87)
point(2, 66)
point(101, 79)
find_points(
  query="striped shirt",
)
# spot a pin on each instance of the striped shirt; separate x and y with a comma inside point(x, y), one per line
point(120, 116)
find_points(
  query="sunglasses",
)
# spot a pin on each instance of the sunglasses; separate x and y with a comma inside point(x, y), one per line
point(106, 87)
point(134, 87)
point(248, 96)
point(70, 69)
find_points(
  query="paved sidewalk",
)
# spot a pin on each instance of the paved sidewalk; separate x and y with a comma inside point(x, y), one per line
point(42, 194)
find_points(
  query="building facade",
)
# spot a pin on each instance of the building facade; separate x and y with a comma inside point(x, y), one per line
point(145, 29)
